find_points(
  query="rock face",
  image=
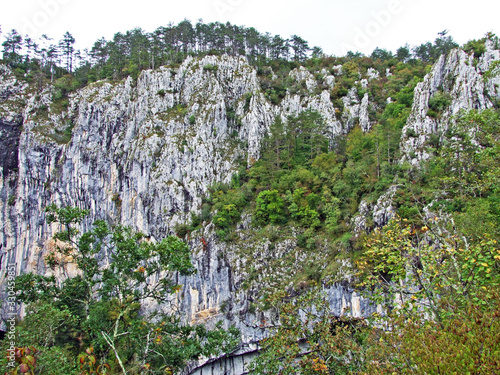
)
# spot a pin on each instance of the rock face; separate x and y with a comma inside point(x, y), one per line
point(9, 146)
point(378, 214)
point(466, 83)
point(217, 293)
point(139, 153)
point(142, 153)
point(461, 79)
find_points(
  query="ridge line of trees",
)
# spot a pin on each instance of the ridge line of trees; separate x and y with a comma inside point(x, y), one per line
point(128, 54)
point(131, 52)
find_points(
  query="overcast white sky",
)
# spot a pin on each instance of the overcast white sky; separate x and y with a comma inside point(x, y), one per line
point(335, 25)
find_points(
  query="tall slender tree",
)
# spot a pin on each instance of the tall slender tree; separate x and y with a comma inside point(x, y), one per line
point(12, 47)
point(68, 50)
point(300, 47)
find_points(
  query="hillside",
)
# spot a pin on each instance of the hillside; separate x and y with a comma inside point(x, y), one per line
point(277, 174)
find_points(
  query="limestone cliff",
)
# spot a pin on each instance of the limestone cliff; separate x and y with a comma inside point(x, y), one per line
point(142, 153)
point(461, 79)
point(464, 82)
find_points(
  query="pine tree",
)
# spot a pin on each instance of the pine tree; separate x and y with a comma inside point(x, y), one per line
point(12, 47)
point(68, 50)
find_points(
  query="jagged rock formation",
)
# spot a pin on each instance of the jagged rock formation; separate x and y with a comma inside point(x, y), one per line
point(218, 292)
point(142, 153)
point(466, 84)
point(378, 214)
point(356, 109)
point(462, 78)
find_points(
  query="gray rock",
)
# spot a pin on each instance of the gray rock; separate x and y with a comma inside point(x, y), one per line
point(142, 154)
point(468, 88)
point(354, 108)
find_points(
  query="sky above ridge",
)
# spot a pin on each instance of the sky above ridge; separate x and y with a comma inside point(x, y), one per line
point(337, 26)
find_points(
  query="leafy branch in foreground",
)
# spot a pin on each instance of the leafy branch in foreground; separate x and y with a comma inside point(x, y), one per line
point(445, 293)
point(309, 340)
point(101, 306)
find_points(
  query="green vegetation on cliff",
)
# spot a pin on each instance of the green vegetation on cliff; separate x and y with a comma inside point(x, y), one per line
point(94, 322)
point(435, 266)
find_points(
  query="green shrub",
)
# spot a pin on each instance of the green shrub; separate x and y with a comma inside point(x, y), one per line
point(439, 102)
point(477, 47)
point(210, 68)
point(270, 208)
point(181, 230)
point(302, 207)
point(195, 221)
point(411, 133)
point(205, 212)
point(11, 200)
point(228, 203)
point(248, 98)
point(435, 140)
point(226, 216)
point(432, 114)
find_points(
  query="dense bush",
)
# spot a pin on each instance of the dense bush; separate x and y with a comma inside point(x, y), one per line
point(438, 103)
point(270, 208)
